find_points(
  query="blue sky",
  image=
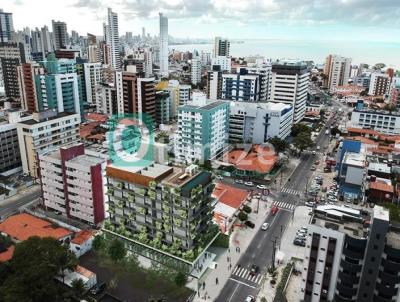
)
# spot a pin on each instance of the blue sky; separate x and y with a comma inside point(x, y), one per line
point(349, 20)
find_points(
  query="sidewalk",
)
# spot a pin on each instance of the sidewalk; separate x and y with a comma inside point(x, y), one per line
point(239, 238)
point(24, 192)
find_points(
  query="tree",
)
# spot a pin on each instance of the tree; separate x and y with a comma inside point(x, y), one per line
point(116, 250)
point(78, 288)
point(35, 264)
point(98, 243)
point(302, 141)
point(242, 216)
point(299, 128)
point(379, 65)
point(180, 279)
point(364, 93)
point(280, 145)
point(335, 131)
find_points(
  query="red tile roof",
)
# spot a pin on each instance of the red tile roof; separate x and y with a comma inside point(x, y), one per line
point(259, 158)
point(83, 236)
point(22, 226)
point(84, 272)
point(229, 195)
point(381, 186)
point(8, 254)
point(96, 117)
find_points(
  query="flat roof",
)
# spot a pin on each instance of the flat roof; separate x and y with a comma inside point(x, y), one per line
point(34, 122)
point(393, 239)
point(380, 167)
point(381, 213)
point(354, 159)
point(86, 160)
point(207, 106)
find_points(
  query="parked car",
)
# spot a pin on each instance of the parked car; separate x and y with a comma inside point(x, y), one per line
point(262, 187)
point(219, 177)
point(249, 224)
point(274, 210)
point(265, 226)
point(249, 183)
point(310, 204)
point(312, 168)
point(299, 242)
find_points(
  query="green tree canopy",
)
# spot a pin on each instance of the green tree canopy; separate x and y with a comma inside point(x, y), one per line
point(280, 145)
point(242, 216)
point(303, 141)
point(35, 264)
point(299, 128)
point(116, 250)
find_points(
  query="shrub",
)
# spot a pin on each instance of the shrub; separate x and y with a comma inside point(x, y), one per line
point(221, 241)
point(247, 209)
point(242, 216)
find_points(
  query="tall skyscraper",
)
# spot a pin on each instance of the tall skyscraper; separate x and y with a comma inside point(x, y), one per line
point(196, 71)
point(163, 45)
point(6, 26)
point(10, 57)
point(60, 34)
point(337, 71)
point(143, 33)
point(221, 47)
point(112, 39)
point(46, 40)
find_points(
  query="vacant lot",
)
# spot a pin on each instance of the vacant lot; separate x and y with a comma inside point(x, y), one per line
point(132, 285)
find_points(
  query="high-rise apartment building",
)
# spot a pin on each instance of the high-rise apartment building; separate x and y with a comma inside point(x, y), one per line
point(163, 107)
point(214, 83)
point(106, 98)
point(202, 130)
point(6, 27)
point(196, 71)
point(164, 69)
point(337, 71)
point(351, 255)
point(290, 81)
point(126, 83)
point(93, 75)
point(46, 40)
point(221, 47)
point(222, 61)
point(43, 132)
point(60, 34)
point(379, 84)
point(74, 183)
point(112, 39)
point(10, 58)
point(27, 87)
point(146, 97)
point(242, 86)
point(169, 206)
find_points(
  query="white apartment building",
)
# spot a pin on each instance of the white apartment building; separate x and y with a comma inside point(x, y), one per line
point(73, 183)
point(202, 130)
point(382, 121)
point(214, 83)
point(258, 122)
point(164, 65)
point(290, 81)
point(94, 53)
point(337, 70)
point(45, 131)
point(224, 62)
point(265, 74)
point(221, 47)
point(196, 71)
point(184, 94)
point(93, 75)
point(112, 39)
point(241, 87)
point(106, 99)
point(379, 84)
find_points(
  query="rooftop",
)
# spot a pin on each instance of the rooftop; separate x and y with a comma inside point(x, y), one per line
point(86, 160)
point(381, 186)
point(207, 106)
point(83, 236)
point(379, 167)
point(22, 226)
point(393, 239)
point(229, 195)
point(7, 254)
point(34, 122)
point(354, 159)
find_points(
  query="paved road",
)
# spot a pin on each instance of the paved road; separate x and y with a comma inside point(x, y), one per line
point(259, 252)
point(11, 207)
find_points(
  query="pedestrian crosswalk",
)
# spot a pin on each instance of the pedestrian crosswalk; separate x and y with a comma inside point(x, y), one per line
point(244, 273)
point(291, 191)
point(284, 205)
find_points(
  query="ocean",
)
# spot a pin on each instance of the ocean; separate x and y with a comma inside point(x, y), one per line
point(360, 52)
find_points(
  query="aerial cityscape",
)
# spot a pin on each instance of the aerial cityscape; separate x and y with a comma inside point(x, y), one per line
point(185, 150)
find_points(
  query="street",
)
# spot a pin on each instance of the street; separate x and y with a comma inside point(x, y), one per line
point(11, 206)
point(259, 252)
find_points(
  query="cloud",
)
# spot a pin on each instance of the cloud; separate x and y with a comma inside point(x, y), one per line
point(358, 12)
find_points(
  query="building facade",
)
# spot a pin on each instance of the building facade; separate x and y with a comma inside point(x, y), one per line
point(112, 39)
point(164, 64)
point(6, 27)
point(44, 132)
point(202, 130)
point(337, 71)
point(382, 121)
point(379, 84)
point(290, 81)
point(221, 47)
point(73, 183)
point(60, 35)
point(242, 86)
point(256, 123)
point(196, 71)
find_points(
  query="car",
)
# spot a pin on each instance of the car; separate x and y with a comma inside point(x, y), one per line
point(310, 204)
point(57, 213)
point(249, 183)
point(299, 242)
point(301, 232)
point(250, 224)
point(250, 298)
point(318, 148)
point(304, 228)
point(274, 210)
point(262, 187)
point(239, 181)
point(314, 153)
point(316, 162)
point(312, 168)
point(265, 226)
point(254, 270)
point(219, 177)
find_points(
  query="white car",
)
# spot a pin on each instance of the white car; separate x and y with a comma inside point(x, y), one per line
point(219, 177)
point(239, 181)
point(250, 298)
point(262, 187)
point(265, 226)
point(249, 183)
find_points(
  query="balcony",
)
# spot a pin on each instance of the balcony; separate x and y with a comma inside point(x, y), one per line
point(345, 291)
point(348, 279)
point(350, 266)
point(388, 279)
point(385, 290)
point(353, 254)
point(390, 265)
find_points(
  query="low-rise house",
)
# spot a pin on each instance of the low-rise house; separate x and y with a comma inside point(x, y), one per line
point(82, 242)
